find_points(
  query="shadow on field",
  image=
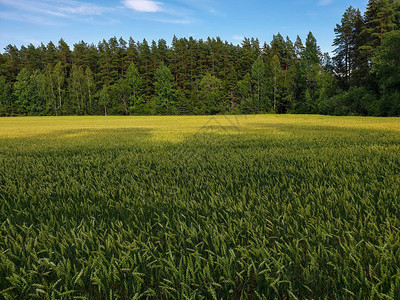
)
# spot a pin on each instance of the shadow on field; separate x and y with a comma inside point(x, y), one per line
point(87, 133)
point(318, 128)
point(141, 133)
point(213, 136)
point(299, 130)
point(227, 128)
point(76, 139)
point(258, 136)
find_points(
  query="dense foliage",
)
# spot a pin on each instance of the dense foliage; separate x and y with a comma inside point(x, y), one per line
point(211, 76)
point(253, 207)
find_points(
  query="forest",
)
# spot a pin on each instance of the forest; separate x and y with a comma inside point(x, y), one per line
point(195, 77)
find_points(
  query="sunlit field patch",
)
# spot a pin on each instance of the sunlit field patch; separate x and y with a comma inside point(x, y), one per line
point(242, 207)
point(170, 125)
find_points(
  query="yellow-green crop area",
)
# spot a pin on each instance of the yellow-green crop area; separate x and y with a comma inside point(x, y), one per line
point(238, 207)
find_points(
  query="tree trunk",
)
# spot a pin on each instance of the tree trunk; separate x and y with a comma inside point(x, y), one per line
point(59, 94)
point(125, 106)
point(275, 95)
point(89, 93)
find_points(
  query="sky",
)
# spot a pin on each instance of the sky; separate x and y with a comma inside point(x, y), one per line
point(34, 21)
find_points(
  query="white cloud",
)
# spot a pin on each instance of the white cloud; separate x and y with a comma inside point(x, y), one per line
point(62, 8)
point(143, 5)
point(175, 21)
point(42, 11)
point(82, 9)
point(210, 6)
point(26, 18)
point(23, 39)
point(325, 2)
point(238, 38)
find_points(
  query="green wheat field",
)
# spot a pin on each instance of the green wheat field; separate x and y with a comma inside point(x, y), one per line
point(221, 207)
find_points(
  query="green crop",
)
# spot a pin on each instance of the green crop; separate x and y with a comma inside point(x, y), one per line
point(249, 207)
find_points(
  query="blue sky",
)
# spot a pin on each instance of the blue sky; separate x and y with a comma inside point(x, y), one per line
point(34, 21)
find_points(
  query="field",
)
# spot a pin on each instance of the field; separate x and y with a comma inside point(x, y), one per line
point(238, 207)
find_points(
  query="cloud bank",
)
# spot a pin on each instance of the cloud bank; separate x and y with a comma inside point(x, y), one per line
point(325, 2)
point(143, 5)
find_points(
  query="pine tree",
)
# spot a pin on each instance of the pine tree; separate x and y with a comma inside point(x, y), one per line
point(249, 52)
point(104, 98)
point(135, 85)
point(44, 84)
point(192, 45)
point(89, 85)
point(76, 87)
point(203, 54)
point(162, 51)
point(244, 94)
point(277, 79)
point(258, 79)
point(33, 58)
point(92, 60)
point(278, 46)
point(12, 63)
point(165, 90)
point(37, 103)
point(51, 54)
point(79, 54)
point(6, 97)
point(132, 55)
point(64, 55)
point(21, 91)
point(309, 68)
point(114, 60)
point(146, 67)
point(210, 94)
point(59, 80)
point(311, 52)
point(379, 20)
point(298, 48)
point(122, 66)
point(347, 42)
point(181, 63)
point(48, 90)
point(387, 68)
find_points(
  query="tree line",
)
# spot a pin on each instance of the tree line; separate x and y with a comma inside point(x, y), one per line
point(212, 76)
